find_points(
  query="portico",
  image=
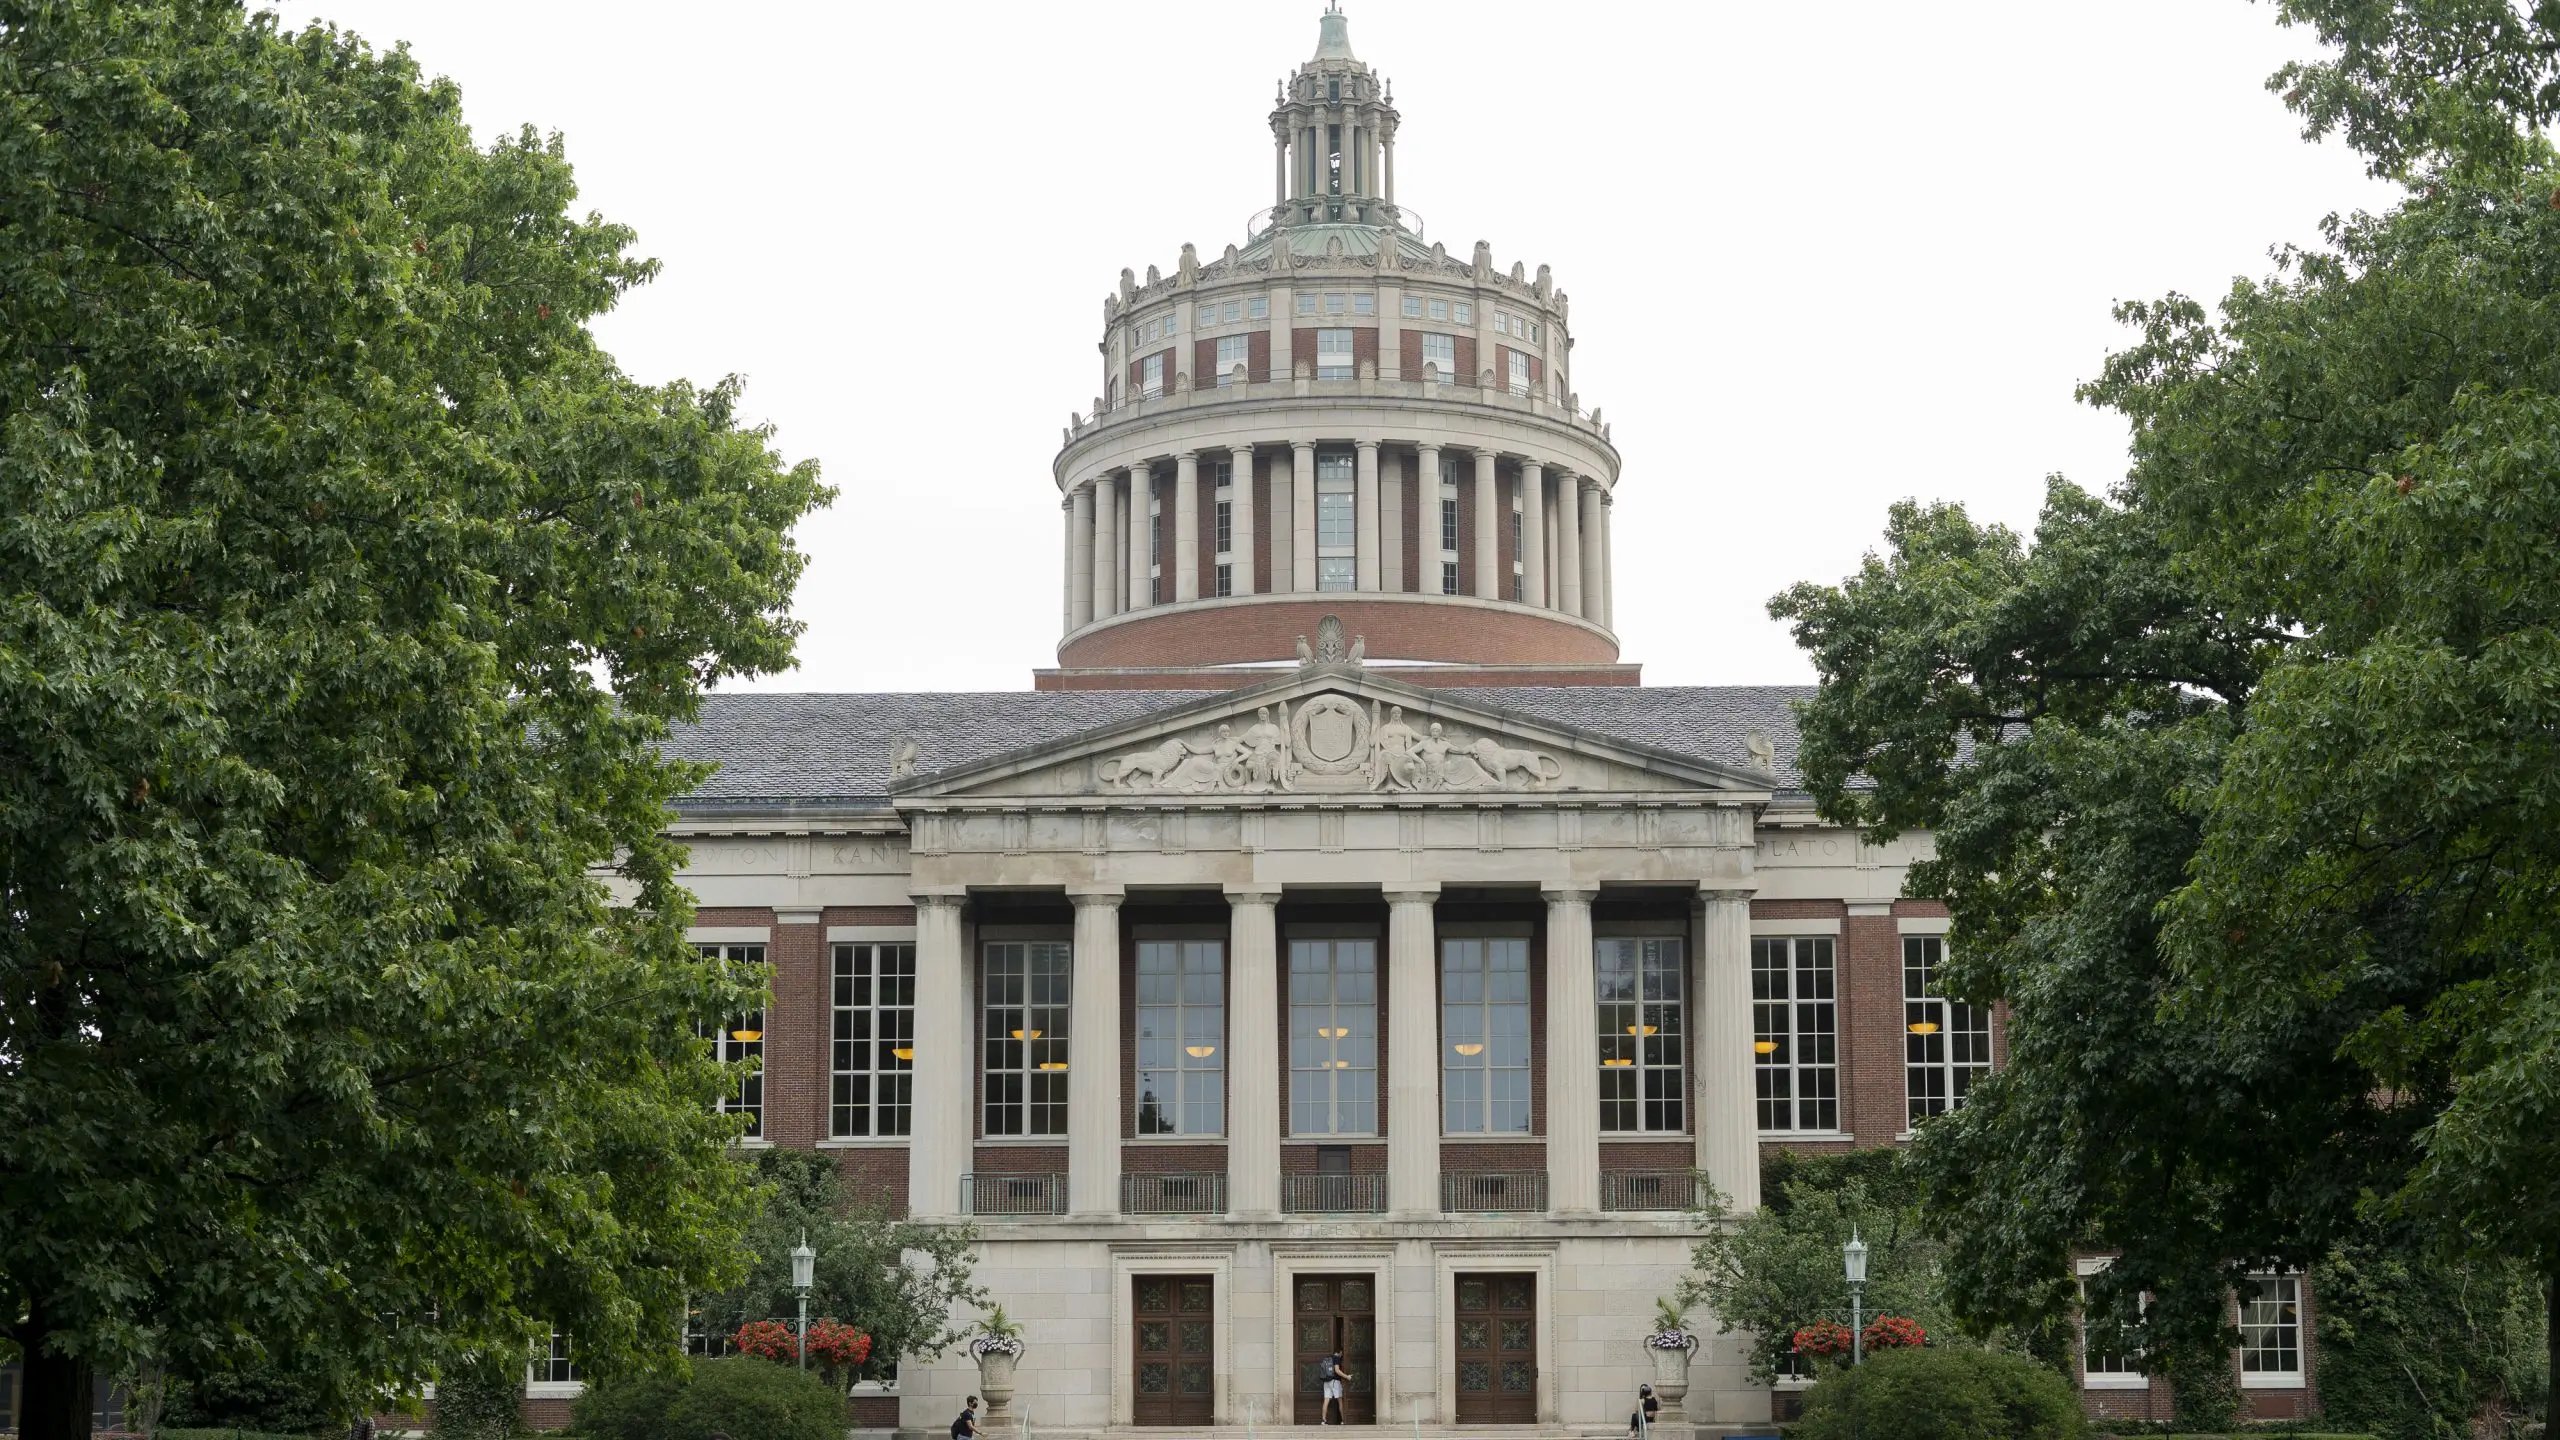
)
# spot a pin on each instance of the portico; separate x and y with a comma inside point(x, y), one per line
point(1338, 835)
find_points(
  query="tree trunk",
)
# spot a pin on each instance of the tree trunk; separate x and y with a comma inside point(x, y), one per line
point(55, 1392)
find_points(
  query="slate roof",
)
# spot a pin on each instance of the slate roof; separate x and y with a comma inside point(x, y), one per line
point(836, 749)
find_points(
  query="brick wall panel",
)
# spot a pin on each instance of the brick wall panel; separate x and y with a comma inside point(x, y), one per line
point(795, 1046)
point(877, 1173)
point(1466, 348)
point(1021, 1159)
point(1213, 679)
point(1364, 350)
point(1871, 1036)
point(1302, 351)
point(1409, 355)
point(1258, 355)
point(1164, 1159)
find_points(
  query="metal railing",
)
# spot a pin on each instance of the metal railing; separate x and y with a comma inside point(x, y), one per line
point(1333, 1194)
point(1453, 387)
point(1651, 1189)
point(1013, 1194)
point(1178, 1193)
point(1487, 1192)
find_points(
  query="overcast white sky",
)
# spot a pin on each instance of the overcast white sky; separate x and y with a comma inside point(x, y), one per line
point(1821, 256)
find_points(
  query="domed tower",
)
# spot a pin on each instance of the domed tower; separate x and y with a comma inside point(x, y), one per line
point(1336, 417)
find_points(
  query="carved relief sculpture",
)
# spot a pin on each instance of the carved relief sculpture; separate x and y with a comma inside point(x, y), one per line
point(1330, 745)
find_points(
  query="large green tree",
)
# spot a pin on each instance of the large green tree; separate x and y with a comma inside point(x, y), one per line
point(346, 588)
point(2243, 776)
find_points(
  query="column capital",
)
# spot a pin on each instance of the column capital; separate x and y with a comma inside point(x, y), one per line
point(1253, 894)
point(1181, 455)
point(925, 900)
point(1303, 447)
point(1364, 444)
point(1423, 892)
point(1086, 897)
point(1569, 894)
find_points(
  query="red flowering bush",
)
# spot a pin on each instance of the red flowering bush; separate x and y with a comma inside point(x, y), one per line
point(1823, 1339)
point(834, 1345)
point(767, 1340)
point(1894, 1332)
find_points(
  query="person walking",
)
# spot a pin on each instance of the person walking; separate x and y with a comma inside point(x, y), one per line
point(1333, 1375)
point(965, 1425)
point(1640, 1420)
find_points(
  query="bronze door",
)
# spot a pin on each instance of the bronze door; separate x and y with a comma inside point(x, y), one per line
point(1337, 1314)
point(1175, 1344)
point(1497, 1349)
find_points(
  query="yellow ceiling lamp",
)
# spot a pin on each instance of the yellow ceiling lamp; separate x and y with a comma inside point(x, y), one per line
point(1924, 1027)
point(1617, 1062)
point(1640, 1029)
point(904, 1052)
point(745, 1036)
point(1764, 1047)
point(1026, 1034)
point(1053, 1064)
point(1199, 1052)
point(1470, 1048)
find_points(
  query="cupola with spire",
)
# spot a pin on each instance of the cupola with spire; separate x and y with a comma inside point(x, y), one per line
point(1334, 134)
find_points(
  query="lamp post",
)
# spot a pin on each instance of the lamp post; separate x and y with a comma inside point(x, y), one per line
point(1853, 1259)
point(804, 1262)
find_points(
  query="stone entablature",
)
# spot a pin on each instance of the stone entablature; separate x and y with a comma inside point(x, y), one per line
point(1457, 416)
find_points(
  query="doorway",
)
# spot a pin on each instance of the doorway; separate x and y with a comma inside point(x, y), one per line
point(1173, 1350)
point(1336, 1315)
point(1497, 1350)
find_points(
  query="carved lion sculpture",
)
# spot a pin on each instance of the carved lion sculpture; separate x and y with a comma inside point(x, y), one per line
point(1499, 762)
point(1154, 764)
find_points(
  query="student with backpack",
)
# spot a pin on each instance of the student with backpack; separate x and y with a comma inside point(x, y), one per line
point(965, 1427)
point(1332, 1373)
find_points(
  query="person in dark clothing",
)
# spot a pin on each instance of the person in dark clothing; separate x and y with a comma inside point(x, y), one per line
point(1333, 1376)
point(965, 1427)
point(1641, 1418)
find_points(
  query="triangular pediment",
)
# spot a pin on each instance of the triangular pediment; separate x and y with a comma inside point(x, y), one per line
point(1334, 731)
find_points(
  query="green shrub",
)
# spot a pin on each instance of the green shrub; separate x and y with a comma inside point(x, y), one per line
point(741, 1397)
point(215, 1432)
point(476, 1399)
point(1941, 1392)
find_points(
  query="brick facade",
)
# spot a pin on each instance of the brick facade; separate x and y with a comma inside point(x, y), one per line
point(1396, 629)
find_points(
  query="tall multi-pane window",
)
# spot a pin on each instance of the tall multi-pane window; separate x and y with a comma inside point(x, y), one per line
point(1439, 309)
point(2271, 1330)
point(1441, 352)
point(1519, 373)
point(1333, 1037)
point(1234, 352)
point(1333, 354)
point(740, 1040)
point(2109, 1356)
point(1158, 591)
point(1519, 576)
point(556, 1367)
point(1795, 1042)
point(1484, 1031)
point(872, 1049)
point(1337, 524)
point(1946, 1043)
point(1151, 376)
point(1641, 991)
point(1226, 523)
point(1026, 984)
point(1182, 1037)
point(1413, 307)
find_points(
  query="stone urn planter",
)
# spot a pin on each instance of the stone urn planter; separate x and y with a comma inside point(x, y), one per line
point(996, 1355)
point(1672, 1350)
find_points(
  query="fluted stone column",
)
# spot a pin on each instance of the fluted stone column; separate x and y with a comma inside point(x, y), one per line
point(1533, 533)
point(1302, 514)
point(1186, 526)
point(938, 1150)
point(1240, 522)
point(1067, 566)
point(1283, 573)
point(1594, 575)
point(1365, 518)
point(1080, 558)
point(1569, 543)
point(1105, 565)
point(1391, 574)
point(1573, 1057)
point(1488, 542)
point(1093, 1057)
point(1413, 1052)
point(1724, 1093)
point(1142, 493)
point(1253, 1054)
point(1608, 559)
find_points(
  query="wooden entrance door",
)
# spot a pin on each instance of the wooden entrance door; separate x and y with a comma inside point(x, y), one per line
point(1497, 1349)
point(1174, 1349)
point(1337, 1315)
